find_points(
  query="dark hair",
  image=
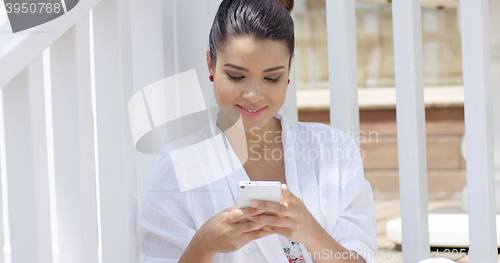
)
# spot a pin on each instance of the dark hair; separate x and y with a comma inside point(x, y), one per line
point(258, 19)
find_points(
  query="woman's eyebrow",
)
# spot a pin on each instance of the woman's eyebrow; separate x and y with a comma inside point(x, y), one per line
point(246, 70)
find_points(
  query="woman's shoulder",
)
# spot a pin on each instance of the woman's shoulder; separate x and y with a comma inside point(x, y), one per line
point(188, 162)
point(163, 175)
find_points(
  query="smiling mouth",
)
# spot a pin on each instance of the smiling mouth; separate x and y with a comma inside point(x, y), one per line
point(249, 110)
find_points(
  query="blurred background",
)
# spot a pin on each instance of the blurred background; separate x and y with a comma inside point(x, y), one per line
point(444, 101)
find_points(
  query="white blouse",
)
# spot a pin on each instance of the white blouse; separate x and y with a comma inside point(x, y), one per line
point(323, 167)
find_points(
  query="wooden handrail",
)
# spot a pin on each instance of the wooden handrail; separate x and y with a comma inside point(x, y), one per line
point(382, 98)
point(423, 3)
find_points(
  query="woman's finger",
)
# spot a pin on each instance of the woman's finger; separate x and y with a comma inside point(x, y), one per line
point(287, 194)
point(274, 230)
point(240, 213)
point(248, 226)
point(229, 209)
point(256, 234)
point(271, 220)
point(271, 207)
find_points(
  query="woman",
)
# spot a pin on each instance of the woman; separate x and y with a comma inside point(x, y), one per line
point(327, 212)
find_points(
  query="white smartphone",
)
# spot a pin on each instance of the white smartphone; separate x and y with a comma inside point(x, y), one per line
point(258, 190)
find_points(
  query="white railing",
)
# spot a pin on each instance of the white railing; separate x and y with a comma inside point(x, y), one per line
point(69, 177)
point(408, 60)
point(478, 106)
point(411, 116)
point(72, 182)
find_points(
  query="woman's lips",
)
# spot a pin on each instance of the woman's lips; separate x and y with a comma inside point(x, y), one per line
point(248, 114)
point(251, 108)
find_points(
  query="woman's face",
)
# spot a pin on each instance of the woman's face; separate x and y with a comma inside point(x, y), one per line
point(251, 75)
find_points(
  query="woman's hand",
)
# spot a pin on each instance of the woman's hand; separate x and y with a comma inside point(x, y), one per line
point(223, 234)
point(292, 221)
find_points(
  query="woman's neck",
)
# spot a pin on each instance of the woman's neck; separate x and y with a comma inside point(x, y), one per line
point(248, 145)
point(260, 136)
point(265, 135)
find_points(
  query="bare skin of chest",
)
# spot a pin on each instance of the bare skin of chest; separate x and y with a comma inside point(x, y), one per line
point(266, 170)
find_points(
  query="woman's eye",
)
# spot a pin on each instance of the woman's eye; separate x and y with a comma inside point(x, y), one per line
point(241, 77)
point(273, 80)
point(235, 78)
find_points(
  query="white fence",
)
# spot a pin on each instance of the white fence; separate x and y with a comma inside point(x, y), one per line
point(72, 182)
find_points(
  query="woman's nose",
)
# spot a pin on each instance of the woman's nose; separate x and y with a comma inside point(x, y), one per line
point(253, 92)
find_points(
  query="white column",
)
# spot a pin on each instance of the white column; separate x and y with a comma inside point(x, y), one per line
point(24, 159)
point(342, 66)
point(290, 105)
point(495, 85)
point(147, 46)
point(479, 129)
point(75, 181)
point(116, 152)
point(190, 31)
point(410, 111)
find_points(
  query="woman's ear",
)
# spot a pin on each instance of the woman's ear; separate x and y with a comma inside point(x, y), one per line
point(209, 64)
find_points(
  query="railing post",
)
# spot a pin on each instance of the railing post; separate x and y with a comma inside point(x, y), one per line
point(342, 66)
point(410, 110)
point(74, 168)
point(116, 158)
point(494, 7)
point(147, 47)
point(479, 130)
point(24, 159)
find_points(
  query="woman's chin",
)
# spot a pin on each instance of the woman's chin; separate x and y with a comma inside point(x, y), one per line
point(232, 117)
point(254, 126)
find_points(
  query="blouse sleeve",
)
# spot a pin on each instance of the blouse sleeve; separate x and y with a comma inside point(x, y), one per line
point(165, 226)
point(356, 227)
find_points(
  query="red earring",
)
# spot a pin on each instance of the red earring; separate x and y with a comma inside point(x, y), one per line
point(288, 81)
point(211, 78)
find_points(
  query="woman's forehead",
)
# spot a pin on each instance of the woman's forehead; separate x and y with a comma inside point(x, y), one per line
point(266, 53)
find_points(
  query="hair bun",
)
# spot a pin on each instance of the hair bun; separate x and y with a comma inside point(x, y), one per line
point(288, 4)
